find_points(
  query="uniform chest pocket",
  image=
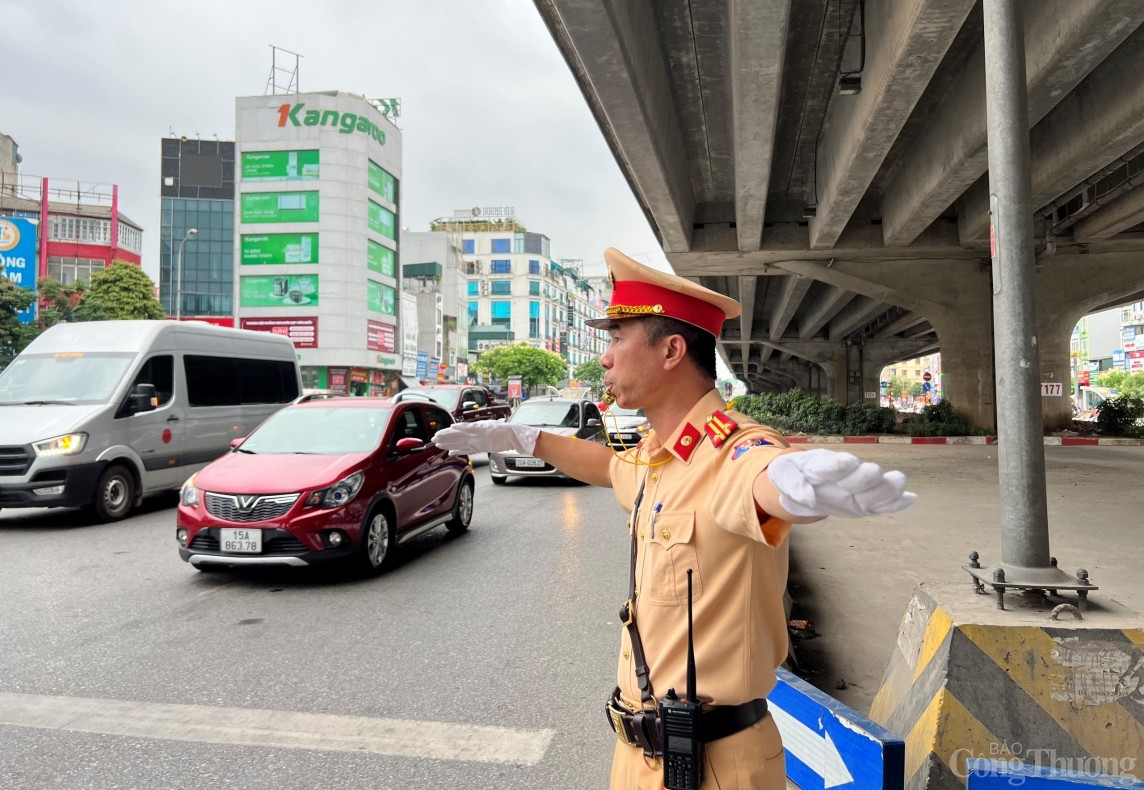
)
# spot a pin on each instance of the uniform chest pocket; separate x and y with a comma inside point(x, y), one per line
point(670, 554)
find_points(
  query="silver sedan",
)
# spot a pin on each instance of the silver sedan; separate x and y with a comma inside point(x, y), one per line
point(563, 416)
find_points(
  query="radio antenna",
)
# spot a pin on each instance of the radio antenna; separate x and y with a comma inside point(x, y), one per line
point(691, 692)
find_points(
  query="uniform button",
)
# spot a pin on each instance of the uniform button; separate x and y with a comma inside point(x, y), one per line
point(655, 477)
point(641, 534)
point(636, 592)
point(666, 535)
point(625, 652)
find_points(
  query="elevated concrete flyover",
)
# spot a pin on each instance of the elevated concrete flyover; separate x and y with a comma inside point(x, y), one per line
point(825, 162)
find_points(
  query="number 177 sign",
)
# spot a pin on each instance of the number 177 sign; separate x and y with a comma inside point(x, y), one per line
point(1052, 389)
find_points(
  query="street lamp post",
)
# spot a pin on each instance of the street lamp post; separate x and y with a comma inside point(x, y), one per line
point(179, 274)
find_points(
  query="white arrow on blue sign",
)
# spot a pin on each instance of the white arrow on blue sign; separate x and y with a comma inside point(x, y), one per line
point(829, 745)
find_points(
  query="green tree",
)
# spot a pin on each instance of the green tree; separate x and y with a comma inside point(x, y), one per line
point(14, 336)
point(590, 374)
point(121, 291)
point(899, 383)
point(1123, 382)
point(57, 301)
point(535, 366)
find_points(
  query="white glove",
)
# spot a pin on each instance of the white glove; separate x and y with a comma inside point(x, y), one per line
point(830, 483)
point(487, 436)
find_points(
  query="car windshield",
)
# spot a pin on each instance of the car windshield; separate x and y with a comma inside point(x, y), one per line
point(323, 430)
point(70, 377)
point(552, 414)
point(620, 411)
point(447, 398)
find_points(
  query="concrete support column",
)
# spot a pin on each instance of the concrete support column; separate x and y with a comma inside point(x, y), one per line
point(967, 363)
point(1054, 336)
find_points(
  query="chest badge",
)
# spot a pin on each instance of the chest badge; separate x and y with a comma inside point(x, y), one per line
point(719, 426)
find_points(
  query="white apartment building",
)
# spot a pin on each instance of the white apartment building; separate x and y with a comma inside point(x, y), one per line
point(515, 291)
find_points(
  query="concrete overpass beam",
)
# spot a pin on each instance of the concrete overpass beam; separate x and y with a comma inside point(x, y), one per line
point(793, 291)
point(854, 316)
point(1120, 215)
point(747, 286)
point(827, 305)
point(758, 32)
point(1098, 122)
point(1064, 41)
point(905, 42)
point(622, 72)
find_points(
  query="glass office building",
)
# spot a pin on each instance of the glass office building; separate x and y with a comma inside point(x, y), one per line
point(197, 192)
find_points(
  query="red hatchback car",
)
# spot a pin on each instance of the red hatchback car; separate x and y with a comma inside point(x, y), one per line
point(324, 480)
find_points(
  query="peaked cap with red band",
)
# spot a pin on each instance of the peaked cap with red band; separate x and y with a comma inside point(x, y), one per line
point(639, 291)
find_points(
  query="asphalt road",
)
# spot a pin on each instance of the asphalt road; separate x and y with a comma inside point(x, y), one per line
point(480, 661)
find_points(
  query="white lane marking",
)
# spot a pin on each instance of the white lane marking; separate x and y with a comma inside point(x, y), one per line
point(277, 728)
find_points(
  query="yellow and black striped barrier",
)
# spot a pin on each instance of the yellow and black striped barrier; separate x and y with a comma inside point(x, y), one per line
point(966, 681)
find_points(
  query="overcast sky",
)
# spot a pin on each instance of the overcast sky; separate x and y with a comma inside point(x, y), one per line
point(490, 113)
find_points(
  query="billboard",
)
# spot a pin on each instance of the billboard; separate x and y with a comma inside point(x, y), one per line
point(380, 220)
point(380, 259)
point(288, 290)
point(380, 298)
point(18, 258)
point(303, 332)
point(379, 336)
point(382, 182)
point(266, 248)
point(279, 207)
point(280, 166)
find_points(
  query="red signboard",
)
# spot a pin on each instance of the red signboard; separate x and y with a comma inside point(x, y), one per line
point(303, 332)
point(379, 337)
point(927, 376)
point(337, 380)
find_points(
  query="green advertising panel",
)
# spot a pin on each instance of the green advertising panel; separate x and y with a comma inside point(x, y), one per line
point(280, 207)
point(381, 220)
point(279, 248)
point(380, 298)
point(287, 290)
point(280, 166)
point(382, 182)
point(380, 259)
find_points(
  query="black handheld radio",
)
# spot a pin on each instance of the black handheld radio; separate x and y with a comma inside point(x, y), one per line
point(679, 725)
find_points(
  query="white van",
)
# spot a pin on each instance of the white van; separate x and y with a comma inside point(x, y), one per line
point(101, 413)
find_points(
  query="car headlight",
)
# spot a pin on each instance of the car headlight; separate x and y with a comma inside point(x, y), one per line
point(339, 494)
point(188, 494)
point(68, 444)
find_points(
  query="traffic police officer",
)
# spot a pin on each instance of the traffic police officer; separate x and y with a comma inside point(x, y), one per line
point(710, 491)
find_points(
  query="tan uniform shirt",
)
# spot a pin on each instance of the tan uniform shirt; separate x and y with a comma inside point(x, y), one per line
point(698, 511)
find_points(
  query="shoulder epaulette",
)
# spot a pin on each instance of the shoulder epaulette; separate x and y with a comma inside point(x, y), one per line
point(719, 426)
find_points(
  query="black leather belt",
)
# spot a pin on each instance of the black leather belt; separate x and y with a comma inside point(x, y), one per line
point(641, 728)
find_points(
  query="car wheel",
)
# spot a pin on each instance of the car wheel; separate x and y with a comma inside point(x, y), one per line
point(499, 479)
point(378, 541)
point(463, 509)
point(114, 493)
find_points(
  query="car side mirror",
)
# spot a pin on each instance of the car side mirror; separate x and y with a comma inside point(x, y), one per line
point(594, 423)
point(234, 443)
point(469, 405)
point(409, 444)
point(142, 398)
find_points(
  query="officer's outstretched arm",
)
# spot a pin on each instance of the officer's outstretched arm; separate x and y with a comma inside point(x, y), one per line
point(586, 461)
point(805, 486)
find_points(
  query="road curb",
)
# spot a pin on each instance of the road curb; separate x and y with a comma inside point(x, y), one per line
point(1050, 441)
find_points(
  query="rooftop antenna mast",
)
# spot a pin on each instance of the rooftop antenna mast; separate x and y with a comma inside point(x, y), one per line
point(283, 76)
